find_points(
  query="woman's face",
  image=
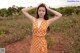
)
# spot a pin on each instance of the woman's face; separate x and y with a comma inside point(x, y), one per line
point(41, 12)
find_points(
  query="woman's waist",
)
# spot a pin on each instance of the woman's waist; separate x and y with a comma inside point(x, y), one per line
point(39, 34)
point(36, 35)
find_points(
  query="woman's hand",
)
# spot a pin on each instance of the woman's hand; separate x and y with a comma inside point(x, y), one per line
point(46, 6)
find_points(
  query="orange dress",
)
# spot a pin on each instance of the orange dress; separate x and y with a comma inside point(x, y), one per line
point(38, 42)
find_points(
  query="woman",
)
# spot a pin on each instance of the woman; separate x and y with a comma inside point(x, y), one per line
point(40, 25)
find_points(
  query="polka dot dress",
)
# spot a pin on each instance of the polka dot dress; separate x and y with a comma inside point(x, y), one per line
point(38, 42)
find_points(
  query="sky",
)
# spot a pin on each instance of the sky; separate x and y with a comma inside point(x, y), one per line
point(27, 3)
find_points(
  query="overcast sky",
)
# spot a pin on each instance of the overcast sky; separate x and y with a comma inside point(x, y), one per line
point(27, 3)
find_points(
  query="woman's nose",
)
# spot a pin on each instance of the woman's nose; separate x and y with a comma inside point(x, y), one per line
point(41, 12)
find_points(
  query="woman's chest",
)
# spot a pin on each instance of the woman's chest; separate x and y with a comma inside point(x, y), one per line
point(40, 25)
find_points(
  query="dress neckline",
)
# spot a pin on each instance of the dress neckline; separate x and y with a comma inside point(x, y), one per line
point(40, 24)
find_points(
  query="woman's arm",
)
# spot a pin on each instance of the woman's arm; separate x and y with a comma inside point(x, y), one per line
point(25, 12)
point(56, 17)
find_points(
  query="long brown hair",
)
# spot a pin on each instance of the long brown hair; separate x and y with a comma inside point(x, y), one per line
point(46, 14)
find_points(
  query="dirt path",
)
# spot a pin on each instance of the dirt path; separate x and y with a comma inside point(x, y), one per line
point(60, 43)
point(24, 45)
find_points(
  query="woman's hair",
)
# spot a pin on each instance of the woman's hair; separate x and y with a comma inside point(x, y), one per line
point(46, 14)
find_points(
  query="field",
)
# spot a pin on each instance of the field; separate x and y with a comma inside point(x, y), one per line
point(63, 36)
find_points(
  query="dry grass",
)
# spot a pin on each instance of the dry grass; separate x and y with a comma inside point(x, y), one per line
point(18, 27)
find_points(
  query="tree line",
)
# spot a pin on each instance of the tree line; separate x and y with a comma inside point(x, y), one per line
point(14, 10)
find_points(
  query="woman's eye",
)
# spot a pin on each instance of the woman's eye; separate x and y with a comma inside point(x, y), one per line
point(43, 10)
point(39, 10)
